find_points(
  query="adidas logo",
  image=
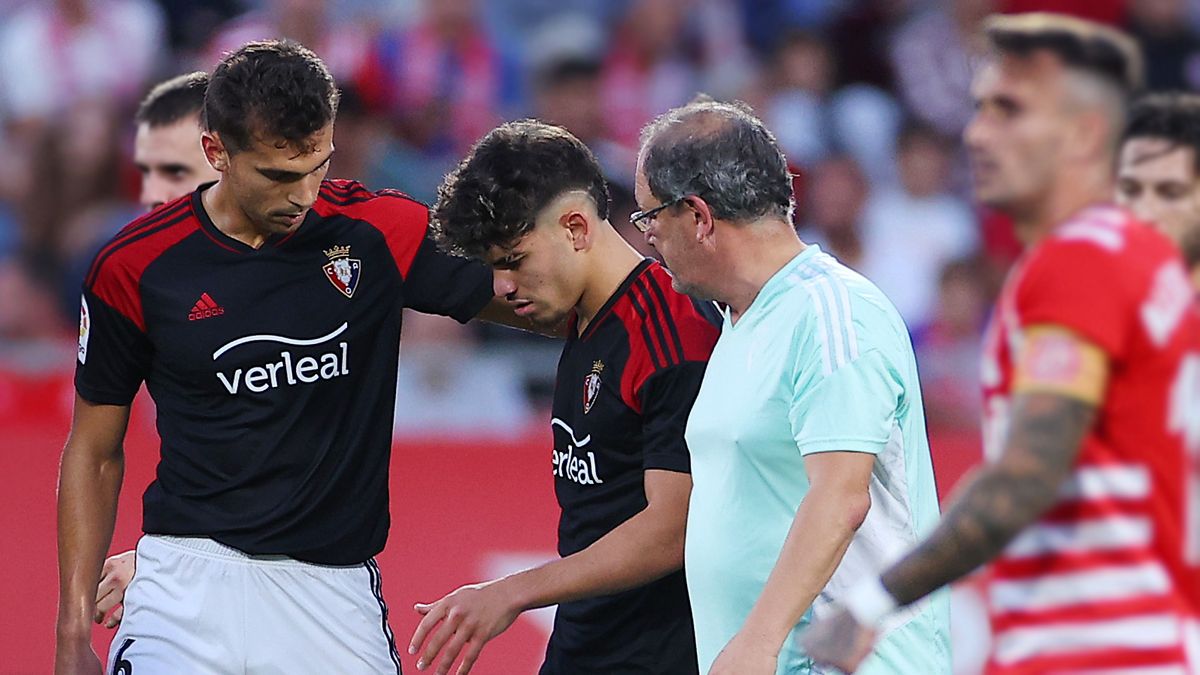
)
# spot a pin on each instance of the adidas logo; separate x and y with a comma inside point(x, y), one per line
point(205, 308)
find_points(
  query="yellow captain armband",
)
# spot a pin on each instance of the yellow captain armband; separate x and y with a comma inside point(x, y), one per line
point(1056, 360)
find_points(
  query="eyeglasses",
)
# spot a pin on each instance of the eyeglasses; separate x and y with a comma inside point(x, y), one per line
point(641, 219)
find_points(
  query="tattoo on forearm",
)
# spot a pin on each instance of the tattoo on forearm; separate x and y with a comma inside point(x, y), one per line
point(1003, 499)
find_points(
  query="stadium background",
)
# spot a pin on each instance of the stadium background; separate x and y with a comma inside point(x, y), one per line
point(867, 97)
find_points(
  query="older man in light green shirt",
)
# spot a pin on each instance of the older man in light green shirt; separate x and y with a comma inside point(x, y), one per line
point(810, 463)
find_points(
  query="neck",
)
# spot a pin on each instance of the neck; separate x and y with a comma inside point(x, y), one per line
point(613, 261)
point(754, 252)
point(1195, 274)
point(229, 218)
point(1072, 192)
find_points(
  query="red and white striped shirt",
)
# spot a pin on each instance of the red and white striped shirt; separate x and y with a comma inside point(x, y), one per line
point(1104, 582)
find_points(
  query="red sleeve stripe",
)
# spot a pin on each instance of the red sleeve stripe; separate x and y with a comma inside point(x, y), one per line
point(694, 333)
point(402, 220)
point(133, 238)
point(120, 283)
point(654, 349)
point(666, 319)
point(344, 187)
point(141, 224)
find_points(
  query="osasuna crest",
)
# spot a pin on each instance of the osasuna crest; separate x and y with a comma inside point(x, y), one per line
point(591, 386)
point(342, 270)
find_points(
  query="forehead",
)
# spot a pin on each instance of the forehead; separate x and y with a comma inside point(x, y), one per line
point(1157, 159)
point(1031, 76)
point(282, 155)
point(177, 141)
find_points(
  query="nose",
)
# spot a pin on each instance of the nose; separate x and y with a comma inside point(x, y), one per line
point(503, 284)
point(975, 132)
point(1147, 208)
point(155, 191)
point(305, 193)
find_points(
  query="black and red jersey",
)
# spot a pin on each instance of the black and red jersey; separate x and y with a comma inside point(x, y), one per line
point(624, 389)
point(273, 369)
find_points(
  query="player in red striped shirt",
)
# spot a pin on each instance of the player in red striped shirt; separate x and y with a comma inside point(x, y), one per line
point(1088, 506)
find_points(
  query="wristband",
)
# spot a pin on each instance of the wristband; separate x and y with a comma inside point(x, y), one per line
point(869, 602)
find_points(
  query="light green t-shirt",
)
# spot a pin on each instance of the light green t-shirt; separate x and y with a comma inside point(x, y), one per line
point(820, 361)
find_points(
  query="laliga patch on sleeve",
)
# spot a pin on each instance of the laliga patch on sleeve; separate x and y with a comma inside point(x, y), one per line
point(85, 329)
point(1055, 361)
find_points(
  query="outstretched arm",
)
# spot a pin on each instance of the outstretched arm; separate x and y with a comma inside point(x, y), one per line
point(93, 465)
point(1061, 378)
point(646, 547)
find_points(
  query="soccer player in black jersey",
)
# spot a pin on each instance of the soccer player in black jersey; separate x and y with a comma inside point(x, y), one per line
point(530, 201)
point(263, 314)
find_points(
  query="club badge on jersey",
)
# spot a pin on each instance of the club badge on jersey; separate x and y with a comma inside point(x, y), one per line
point(342, 270)
point(591, 386)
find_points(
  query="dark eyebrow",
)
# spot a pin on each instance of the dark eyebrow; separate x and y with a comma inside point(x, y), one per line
point(509, 259)
point(281, 175)
point(175, 168)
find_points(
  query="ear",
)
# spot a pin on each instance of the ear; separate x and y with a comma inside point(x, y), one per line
point(1089, 137)
point(214, 151)
point(579, 227)
point(705, 224)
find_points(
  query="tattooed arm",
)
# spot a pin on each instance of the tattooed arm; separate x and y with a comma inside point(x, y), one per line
point(1003, 499)
point(1061, 379)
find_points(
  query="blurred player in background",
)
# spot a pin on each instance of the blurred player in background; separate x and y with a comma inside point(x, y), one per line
point(271, 495)
point(810, 463)
point(168, 154)
point(1158, 169)
point(531, 201)
point(167, 149)
point(1091, 376)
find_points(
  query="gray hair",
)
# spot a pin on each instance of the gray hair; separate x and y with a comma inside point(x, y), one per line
point(722, 153)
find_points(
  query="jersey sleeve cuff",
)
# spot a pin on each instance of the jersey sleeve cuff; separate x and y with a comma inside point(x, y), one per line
point(103, 397)
point(811, 447)
point(667, 463)
point(471, 309)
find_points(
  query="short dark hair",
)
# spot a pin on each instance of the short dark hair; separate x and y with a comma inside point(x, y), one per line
point(173, 100)
point(721, 152)
point(1101, 50)
point(915, 131)
point(276, 89)
point(1170, 116)
point(492, 197)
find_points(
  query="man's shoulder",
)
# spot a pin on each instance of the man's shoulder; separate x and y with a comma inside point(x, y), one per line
point(1106, 244)
point(380, 207)
point(144, 240)
point(822, 288)
point(671, 325)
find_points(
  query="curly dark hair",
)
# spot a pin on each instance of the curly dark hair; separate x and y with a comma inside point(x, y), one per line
point(492, 197)
point(173, 100)
point(273, 89)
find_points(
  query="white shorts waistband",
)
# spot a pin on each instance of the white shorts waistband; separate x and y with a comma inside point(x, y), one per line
point(209, 548)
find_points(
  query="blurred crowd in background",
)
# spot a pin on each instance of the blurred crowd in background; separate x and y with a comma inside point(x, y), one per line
point(867, 97)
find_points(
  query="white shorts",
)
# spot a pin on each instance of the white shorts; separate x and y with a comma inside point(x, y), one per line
point(196, 606)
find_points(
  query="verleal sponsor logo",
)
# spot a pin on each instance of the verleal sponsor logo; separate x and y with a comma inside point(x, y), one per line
point(85, 329)
point(288, 370)
point(578, 468)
